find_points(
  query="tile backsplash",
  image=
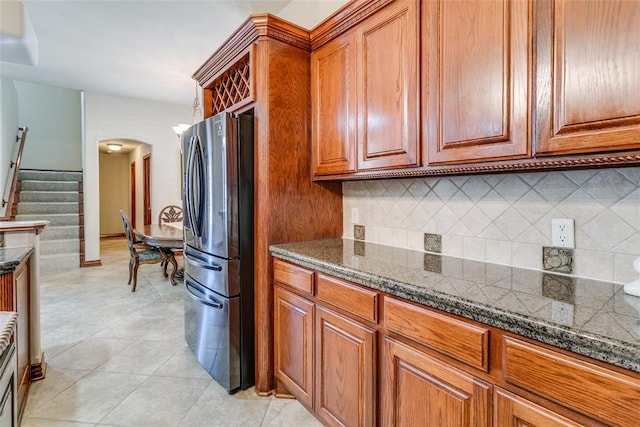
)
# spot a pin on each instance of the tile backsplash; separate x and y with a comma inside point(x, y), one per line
point(506, 218)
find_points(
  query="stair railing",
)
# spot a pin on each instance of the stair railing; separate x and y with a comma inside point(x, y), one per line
point(8, 196)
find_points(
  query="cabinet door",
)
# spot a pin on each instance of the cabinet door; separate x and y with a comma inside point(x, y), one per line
point(293, 344)
point(588, 76)
point(418, 390)
point(513, 410)
point(345, 370)
point(333, 76)
point(476, 67)
point(388, 73)
point(23, 331)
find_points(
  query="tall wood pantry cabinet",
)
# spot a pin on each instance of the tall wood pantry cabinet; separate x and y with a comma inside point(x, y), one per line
point(264, 67)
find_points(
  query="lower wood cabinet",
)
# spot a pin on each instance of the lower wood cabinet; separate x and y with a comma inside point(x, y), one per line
point(345, 370)
point(340, 386)
point(360, 357)
point(418, 390)
point(293, 337)
point(513, 410)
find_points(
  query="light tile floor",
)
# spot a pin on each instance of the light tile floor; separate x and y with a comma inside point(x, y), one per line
point(117, 358)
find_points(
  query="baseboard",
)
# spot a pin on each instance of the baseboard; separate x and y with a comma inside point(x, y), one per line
point(93, 263)
point(112, 236)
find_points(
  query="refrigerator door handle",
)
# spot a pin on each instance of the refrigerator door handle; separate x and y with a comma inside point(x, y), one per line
point(195, 169)
point(188, 188)
point(208, 266)
point(210, 301)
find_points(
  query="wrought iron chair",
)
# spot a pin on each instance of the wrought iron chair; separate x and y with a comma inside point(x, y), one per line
point(142, 254)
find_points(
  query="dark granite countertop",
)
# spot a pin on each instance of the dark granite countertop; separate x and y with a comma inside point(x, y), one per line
point(593, 318)
point(10, 258)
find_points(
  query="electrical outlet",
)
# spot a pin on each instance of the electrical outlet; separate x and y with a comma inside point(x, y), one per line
point(562, 233)
point(355, 215)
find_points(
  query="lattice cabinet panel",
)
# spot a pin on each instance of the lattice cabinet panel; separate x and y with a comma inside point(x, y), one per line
point(232, 87)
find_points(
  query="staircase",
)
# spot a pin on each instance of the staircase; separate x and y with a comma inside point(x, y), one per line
point(56, 197)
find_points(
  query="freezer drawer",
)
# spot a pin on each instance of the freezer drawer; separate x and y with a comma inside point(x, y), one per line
point(212, 332)
point(217, 274)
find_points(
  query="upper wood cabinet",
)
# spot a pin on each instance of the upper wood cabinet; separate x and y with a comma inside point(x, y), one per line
point(388, 73)
point(588, 76)
point(365, 92)
point(476, 74)
point(333, 80)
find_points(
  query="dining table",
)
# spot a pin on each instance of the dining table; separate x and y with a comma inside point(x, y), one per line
point(166, 236)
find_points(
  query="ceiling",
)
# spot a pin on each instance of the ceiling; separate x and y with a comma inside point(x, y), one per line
point(142, 49)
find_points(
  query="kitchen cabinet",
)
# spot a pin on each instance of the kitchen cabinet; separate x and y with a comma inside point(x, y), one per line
point(503, 85)
point(476, 74)
point(345, 370)
point(420, 390)
point(365, 94)
point(333, 77)
point(587, 76)
point(293, 354)
point(15, 296)
point(264, 68)
point(360, 356)
point(511, 409)
point(325, 357)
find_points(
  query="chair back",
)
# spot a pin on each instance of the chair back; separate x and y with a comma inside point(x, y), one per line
point(128, 232)
point(170, 213)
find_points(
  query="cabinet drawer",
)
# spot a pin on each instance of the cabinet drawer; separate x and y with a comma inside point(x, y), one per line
point(598, 392)
point(356, 300)
point(293, 276)
point(464, 342)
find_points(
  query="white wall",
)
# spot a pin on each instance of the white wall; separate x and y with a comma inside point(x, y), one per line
point(52, 115)
point(112, 117)
point(307, 13)
point(9, 124)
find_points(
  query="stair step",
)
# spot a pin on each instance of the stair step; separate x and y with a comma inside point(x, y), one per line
point(30, 208)
point(33, 185)
point(60, 232)
point(66, 246)
point(54, 219)
point(39, 175)
point(49, 196)
point(58, 262)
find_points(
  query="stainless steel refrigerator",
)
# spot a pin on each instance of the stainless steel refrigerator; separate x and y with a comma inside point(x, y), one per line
point(218, 250)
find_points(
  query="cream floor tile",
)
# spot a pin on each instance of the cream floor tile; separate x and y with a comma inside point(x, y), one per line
point(56, 381)
point(91, 321)
point(54, 344)
point(289, 412)
point(89, 354)
point(182, 364)
point(39, 422)
point(140, 357)
point(90, 398)
point(216, 408)
point(158, 402)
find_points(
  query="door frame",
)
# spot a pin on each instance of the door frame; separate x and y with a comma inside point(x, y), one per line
point(146, 192)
